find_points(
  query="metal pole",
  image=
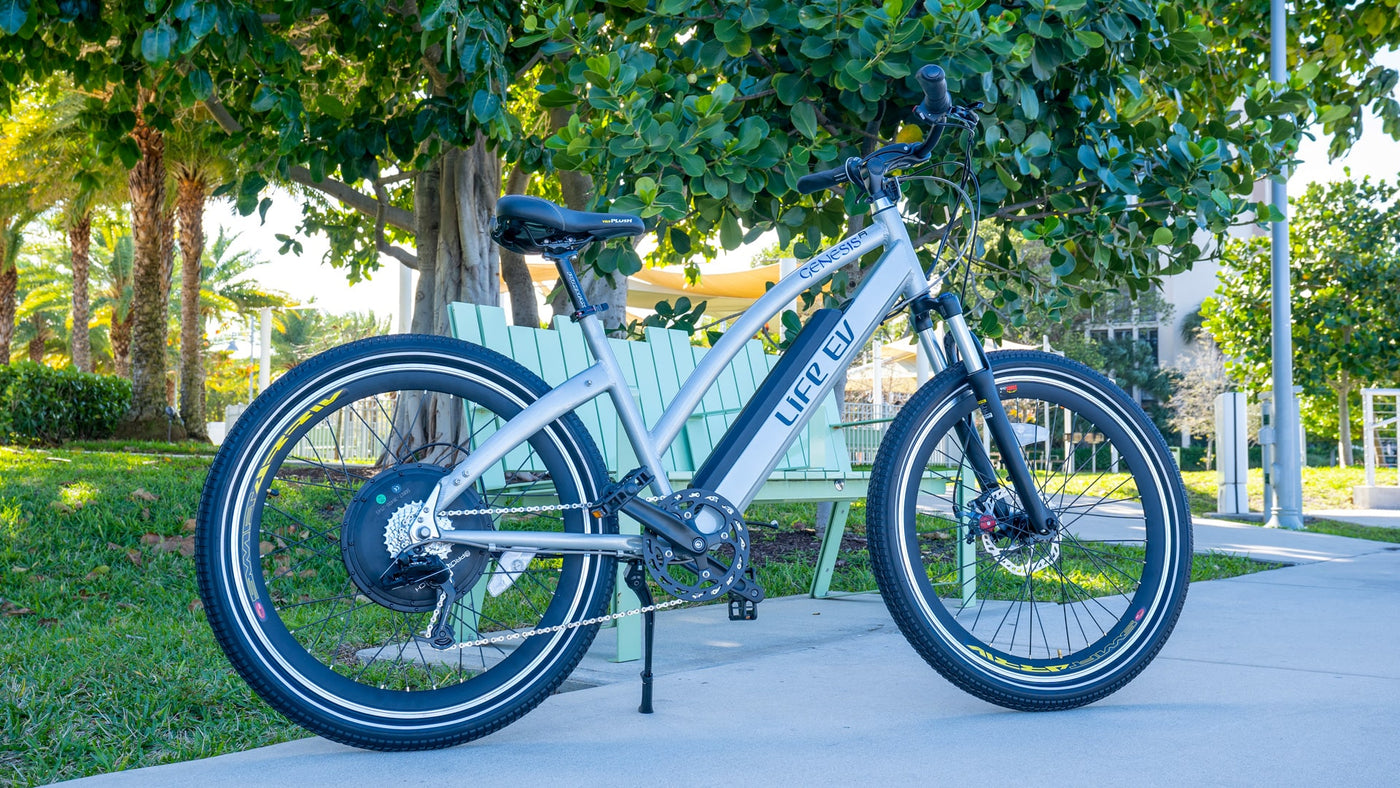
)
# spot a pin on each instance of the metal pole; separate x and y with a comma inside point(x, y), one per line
point(405, 298)
point(265, 360)
point(1288, 475)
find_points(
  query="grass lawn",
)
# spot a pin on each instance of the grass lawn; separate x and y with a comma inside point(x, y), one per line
point(106, 661)
point(1323, 488)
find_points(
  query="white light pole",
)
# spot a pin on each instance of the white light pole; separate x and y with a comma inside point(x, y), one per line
point(1288, 474)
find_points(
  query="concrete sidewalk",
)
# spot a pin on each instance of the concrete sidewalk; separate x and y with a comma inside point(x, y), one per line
point(1288, 677)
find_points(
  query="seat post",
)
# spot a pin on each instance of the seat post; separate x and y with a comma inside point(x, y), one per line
point(564, 260)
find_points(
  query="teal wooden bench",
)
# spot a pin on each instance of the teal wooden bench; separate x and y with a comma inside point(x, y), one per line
point(816, 469)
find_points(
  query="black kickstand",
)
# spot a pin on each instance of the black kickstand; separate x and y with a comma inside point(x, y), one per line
point(636, 580)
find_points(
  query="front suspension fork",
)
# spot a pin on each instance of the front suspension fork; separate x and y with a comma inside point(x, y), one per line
point(980, 378)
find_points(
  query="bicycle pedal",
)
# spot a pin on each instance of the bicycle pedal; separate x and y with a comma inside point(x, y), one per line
point(741, 609)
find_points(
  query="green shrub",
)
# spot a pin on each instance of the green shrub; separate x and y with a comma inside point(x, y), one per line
point(53, 405)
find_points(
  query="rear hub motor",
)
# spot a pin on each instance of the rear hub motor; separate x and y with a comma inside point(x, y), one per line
point(377, 528)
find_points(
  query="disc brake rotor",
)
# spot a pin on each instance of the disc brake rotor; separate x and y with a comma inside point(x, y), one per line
point(1008, 544)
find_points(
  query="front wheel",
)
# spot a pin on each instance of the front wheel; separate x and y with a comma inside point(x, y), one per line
point(311, 498)
point(1027, 622)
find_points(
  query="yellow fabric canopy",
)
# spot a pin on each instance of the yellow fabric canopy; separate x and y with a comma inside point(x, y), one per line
point(726, 293)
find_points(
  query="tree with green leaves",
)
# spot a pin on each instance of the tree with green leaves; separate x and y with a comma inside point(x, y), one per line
point(1344, 249)
point(1115, 132)
point(198, 165)
point(134, 91)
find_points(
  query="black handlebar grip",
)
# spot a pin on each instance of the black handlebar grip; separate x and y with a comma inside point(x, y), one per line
point(820, 181)
point(935, 85)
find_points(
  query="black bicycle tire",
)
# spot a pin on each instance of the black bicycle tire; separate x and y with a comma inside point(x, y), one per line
point(227, 620)
point(901, 592)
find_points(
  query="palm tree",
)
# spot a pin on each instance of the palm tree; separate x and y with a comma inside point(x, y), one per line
point(226, 289)
point(196, 166)
point(115, 259)
point(150, 288)
point(44, 296)
point(302, 333)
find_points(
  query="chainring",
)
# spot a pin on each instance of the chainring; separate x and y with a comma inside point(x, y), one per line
point(705, 577)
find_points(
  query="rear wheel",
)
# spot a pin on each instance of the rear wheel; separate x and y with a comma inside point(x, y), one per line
point(310, 499)
point(1025, 622)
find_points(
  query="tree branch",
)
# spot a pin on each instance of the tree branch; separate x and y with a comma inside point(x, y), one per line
point(344, 192)
point(397, 252)
point(380, 242)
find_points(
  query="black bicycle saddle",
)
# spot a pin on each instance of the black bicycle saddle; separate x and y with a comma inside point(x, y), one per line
point(530, 225)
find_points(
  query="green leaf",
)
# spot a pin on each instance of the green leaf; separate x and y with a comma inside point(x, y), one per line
point(157, 42)
point(264, 100)
point(753, 17)
point(730, 236)
point(1161, 236)
point(1030, 103)
point(1089, 38)
point(202, 20)
point(1088, 157)
point(789, 87)
point(485, 106)
point(1334, 113)
point(1037, 144)
point(200, 84)
point(815, 47)
point(332, 106)
point(558, 97)
point(680, 241)
point(13, 15)
point(804, 117)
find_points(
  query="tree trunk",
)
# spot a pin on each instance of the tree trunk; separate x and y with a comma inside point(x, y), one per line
point(119, 332)
point(577, 190)
point(454, 198)
point(79, 245)
point(36, 344)
point(192, 191)
point(150, 316)
point(524, 308)
point(1344, 457)
point(457, 261)
point(9, 304)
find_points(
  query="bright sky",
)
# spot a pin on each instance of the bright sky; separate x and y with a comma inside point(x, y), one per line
point(307, 278)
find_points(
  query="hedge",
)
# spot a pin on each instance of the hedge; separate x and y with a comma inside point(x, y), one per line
point(53, 405)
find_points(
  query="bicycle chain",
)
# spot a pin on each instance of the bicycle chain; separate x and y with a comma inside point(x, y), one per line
point(563, 507)
point(500, 510)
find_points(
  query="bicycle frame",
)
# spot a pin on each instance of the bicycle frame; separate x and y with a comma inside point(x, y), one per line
point(759, 438)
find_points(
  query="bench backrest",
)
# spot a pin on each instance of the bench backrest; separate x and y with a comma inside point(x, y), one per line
point(655, 370)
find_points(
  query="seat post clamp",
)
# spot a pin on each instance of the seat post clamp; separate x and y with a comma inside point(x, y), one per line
point(591, 309)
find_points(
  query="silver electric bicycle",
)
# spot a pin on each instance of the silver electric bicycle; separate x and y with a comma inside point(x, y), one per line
point(410, 541)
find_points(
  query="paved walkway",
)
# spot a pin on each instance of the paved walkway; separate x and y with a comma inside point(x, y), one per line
point(1283, 677)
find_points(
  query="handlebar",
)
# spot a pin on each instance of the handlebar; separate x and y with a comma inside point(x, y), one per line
point(820, 181)
point(935, 85)
point(932, 110)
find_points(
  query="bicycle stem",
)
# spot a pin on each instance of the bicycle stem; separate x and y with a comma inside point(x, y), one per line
point(984, 387)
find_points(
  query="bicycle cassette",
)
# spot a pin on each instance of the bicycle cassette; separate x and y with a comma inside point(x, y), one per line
point(708, 576)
